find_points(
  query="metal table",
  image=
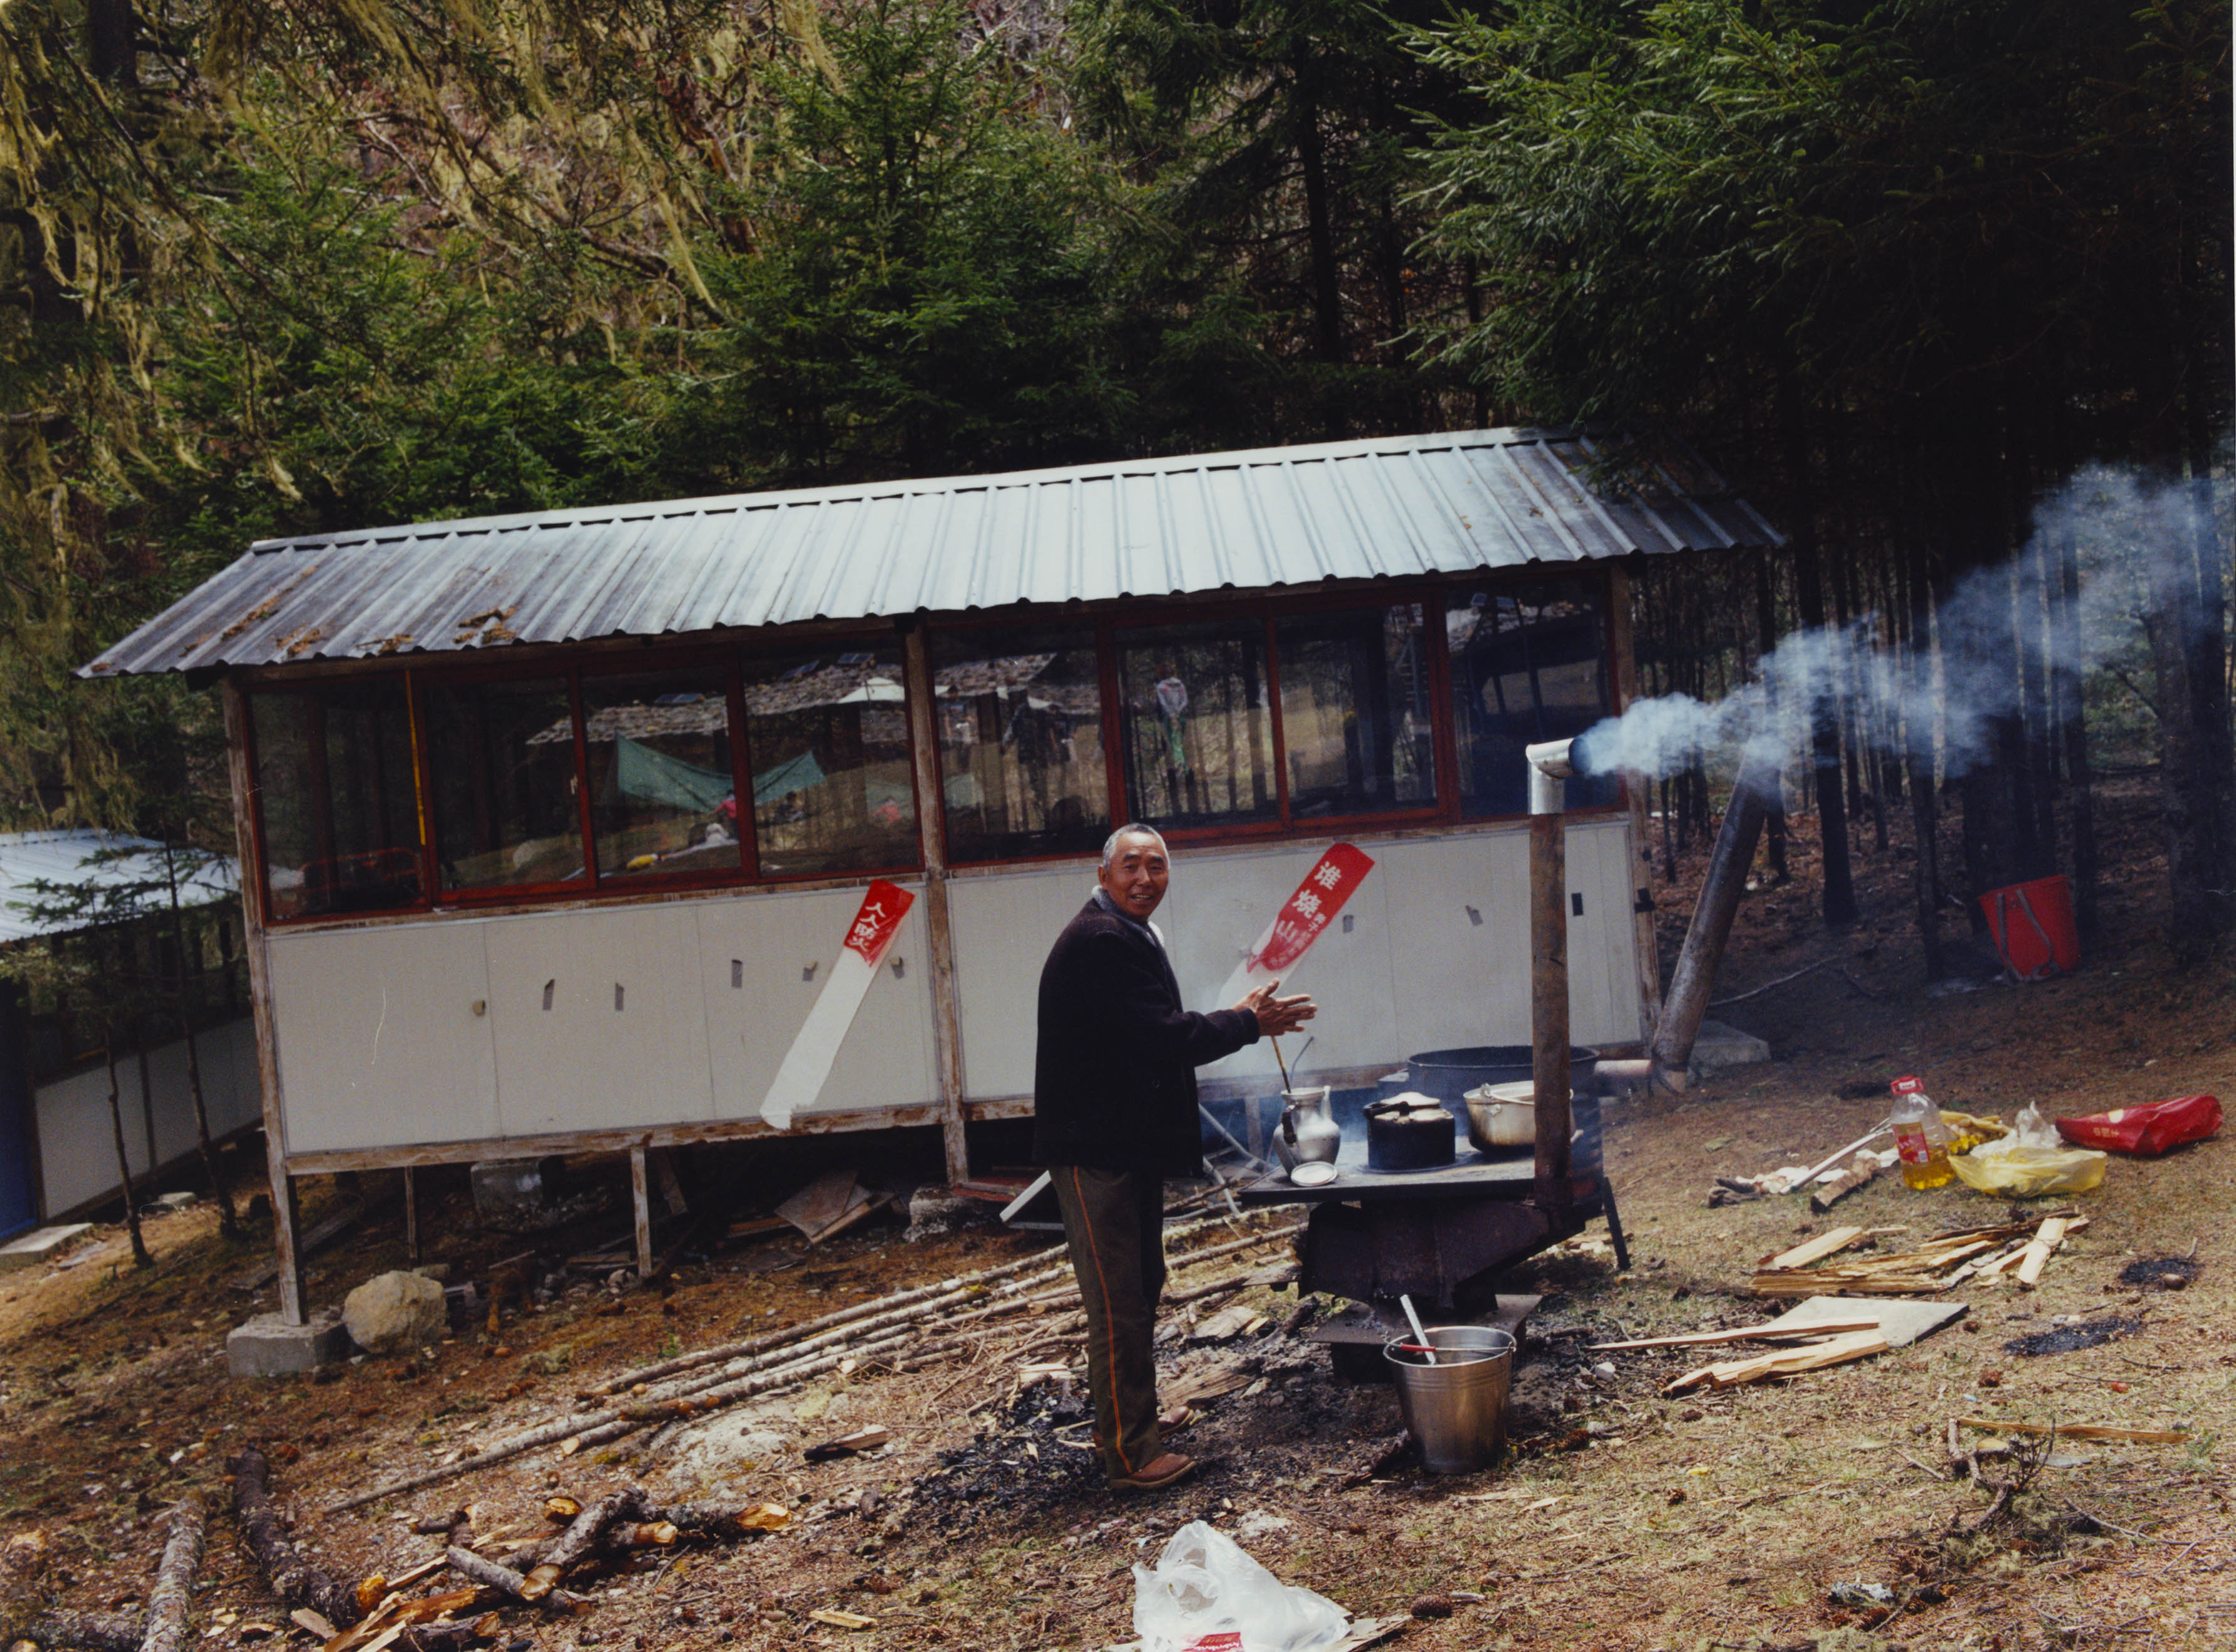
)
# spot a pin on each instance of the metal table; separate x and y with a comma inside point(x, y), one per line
point(1443, 1233)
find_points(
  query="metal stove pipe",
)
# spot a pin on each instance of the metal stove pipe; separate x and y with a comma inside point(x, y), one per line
point(1549, 765)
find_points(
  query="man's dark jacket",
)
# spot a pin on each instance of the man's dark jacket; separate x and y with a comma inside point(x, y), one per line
point(1113, 1081)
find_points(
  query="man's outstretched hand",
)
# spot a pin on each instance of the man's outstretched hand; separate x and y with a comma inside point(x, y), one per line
point(1277, 1015)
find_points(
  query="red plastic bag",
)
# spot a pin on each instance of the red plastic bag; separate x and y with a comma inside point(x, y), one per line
point(2150, 1130)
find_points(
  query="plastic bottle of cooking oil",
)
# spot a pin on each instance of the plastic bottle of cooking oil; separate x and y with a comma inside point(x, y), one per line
point(1920, 1136)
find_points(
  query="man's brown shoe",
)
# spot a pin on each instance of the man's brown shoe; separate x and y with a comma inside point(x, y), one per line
point(1169, 1469)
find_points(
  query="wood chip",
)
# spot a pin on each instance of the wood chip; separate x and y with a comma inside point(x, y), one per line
point(838, 1620)
point(304, 1617)
point(2046, 1239)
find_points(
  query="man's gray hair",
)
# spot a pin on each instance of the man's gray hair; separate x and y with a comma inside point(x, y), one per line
point(1110, 843)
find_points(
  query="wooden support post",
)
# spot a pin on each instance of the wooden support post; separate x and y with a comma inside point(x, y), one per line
point(939, 927)
point(640, 1198)
point(411, 1216)
point(1695, 974)
point(259, 1003)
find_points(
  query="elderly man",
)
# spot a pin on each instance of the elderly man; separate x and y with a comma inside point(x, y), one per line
point(1114, 1114)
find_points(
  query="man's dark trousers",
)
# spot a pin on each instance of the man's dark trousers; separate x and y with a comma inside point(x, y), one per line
point(1114, 1222)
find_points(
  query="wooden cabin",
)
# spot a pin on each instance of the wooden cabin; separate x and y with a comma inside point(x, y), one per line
point(553, 822)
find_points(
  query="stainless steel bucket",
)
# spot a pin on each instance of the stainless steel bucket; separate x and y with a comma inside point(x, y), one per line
point(1455, 1409)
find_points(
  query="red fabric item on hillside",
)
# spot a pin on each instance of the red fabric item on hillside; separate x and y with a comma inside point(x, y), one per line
point(2149, 1130)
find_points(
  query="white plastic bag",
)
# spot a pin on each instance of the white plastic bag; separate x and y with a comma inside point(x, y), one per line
point(1208, 1596)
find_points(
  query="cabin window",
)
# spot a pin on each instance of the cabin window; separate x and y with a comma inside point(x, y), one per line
point(502, 757)
point(1528, 663)
point(663, 794)
point(1196, 706)
point(828, 734)
point(1019, 714)
point(1357, 714)
point(334, 790)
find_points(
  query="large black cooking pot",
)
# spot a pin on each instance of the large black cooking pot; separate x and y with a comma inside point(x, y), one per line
point(1449, 1075)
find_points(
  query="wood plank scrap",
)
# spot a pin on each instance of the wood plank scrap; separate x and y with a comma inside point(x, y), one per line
point(1783, 1362)
point(2078, 1430)
point(1817, 1249)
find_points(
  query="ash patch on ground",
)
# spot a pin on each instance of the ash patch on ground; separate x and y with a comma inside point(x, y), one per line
point(2086, 1335)
point(1036, 1453)
point(2160, 1273)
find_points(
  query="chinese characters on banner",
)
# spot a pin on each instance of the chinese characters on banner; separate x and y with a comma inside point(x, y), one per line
point(807, 1063)
point(1300, 921)
point(879, 921)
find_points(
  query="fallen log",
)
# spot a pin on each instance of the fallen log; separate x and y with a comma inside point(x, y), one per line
point(582, 1534)
point(505, 1580)
point(289, 1576)
point(172, 1596)
point(92, 1632)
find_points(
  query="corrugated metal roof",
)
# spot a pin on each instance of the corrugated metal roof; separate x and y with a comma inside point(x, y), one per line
point(36, 865)
point(1276, 516)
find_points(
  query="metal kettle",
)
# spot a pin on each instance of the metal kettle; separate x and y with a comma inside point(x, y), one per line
point(1307, 1134)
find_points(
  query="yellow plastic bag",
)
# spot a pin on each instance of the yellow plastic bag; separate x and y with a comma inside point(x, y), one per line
point(2010, 1171)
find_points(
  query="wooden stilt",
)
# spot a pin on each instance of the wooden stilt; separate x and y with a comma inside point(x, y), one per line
point(639, 1196)
point(412, 1215)
point(939, 933)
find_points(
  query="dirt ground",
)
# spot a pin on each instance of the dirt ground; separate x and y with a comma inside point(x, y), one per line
point(1620, 1519)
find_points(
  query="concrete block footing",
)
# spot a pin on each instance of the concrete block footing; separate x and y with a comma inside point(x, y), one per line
point(267, 1346)
point(1719, 1046)
point(29, 1249)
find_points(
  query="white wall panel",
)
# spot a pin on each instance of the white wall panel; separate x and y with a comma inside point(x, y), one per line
point(886, 1060)
point(598, 1019)
point(1003, 928)
point(1220, 903)
point(77, 1147)
point(379, 1045)
point(1459, 922)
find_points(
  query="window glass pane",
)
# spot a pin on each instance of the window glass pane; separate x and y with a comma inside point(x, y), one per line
point(1199, 730)
point(1356, 724)
point(828, 736)
point(502, 757)
point(1528, 663)
point(662, 799)
point(333, 776)
point(1020, 720)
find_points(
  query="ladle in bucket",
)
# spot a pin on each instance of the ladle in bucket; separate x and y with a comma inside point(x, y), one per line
point(1420, 1336)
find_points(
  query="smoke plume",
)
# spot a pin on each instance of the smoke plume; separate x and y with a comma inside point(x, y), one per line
point(1996, 638)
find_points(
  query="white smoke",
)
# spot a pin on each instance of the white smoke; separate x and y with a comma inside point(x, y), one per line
point(2128, 532)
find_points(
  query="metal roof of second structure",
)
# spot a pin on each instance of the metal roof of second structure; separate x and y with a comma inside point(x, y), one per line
point(1388, 508)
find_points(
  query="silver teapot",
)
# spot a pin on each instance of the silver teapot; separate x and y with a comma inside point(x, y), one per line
point(1307, 1135)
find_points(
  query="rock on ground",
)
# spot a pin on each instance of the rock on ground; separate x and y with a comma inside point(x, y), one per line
point(393, 1311)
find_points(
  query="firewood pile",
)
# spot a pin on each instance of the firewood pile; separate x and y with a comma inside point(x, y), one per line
point(1941, 1263)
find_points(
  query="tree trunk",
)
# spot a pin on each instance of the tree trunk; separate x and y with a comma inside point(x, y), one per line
point(1774, 822)
point(227, 1223)
point(1824, 714)
point(1319, 231)
point(139, 1256)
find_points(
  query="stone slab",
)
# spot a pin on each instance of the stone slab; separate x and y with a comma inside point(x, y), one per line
point(1719, 1046)
point(267, 1346)
point(28, 1250)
